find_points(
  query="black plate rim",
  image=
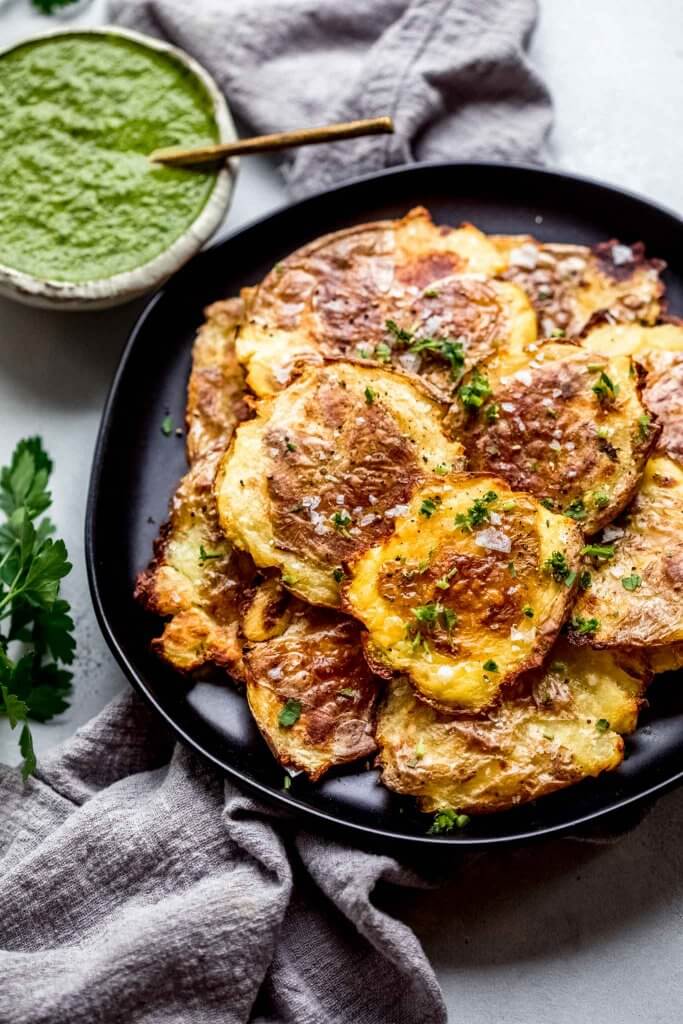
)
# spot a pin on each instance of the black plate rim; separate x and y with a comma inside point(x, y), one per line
point(325, 820)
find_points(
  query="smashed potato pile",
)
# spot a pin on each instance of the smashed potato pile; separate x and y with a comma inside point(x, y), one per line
point(434, 508)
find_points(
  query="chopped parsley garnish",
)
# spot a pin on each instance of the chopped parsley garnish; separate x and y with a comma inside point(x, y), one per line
point(604, 389)
point(576, 509)
point(369, 396)
point(511, 569)
point(167, 426)
point(477, 514)
point(446, 820)
point(431, 615)
point(600, 499)
point(528, 611)
point(338, 574)
point(585, 580)
point(631, 582)
point(341, 521)
point(548, 503)
point(290, 714)
point(429, 506)
point(441, 469)
point(205, 556)
point(473, 394)
point(290, 446)
point(598, 550)
point(444, 582)
point(348, 692)
point(383, 352)
point(602, 725)
point(558, 567)
point(451, 351)
point(559, 332)
point(289, 579)
point(644, 426)
point(585, 626)
point(492, 412)
point(490, 666)
point(430, 293)
point(401, 335)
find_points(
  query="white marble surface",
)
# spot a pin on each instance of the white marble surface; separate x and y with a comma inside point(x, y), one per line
point(556, 933)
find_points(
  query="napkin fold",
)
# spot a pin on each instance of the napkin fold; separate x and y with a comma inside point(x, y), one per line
point(136, 884)
point(453, 74)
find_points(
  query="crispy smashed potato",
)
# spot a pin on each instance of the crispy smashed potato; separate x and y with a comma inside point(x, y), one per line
point(399, 292)
point(659, 350)
point(324, 470)
point(568, 284)
point(635, 598)
point(469, 592)
point(312, 693)
point(561, 724)
point(215, 391)
point(195, 580)
point(561, 423)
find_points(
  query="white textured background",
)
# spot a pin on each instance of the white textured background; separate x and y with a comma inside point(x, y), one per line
point(555, 934)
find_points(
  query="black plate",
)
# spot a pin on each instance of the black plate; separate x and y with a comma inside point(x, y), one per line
point(136, 468)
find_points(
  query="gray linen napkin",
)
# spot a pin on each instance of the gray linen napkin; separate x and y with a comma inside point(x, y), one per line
point(136, 885)
point(452, 73)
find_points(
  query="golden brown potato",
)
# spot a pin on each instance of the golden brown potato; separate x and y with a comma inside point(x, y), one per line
point(196, 579)
point(215, 392)
point(659, 350)
point(470, 590)
point(561, 423)
point(399, 292)
point(312, 693)
point(568, 284)
point(325, 468)
point(561, 724)
point(635, 598)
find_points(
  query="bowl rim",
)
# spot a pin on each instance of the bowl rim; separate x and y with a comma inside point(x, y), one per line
point(102, 292)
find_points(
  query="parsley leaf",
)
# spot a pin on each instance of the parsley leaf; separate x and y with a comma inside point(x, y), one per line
point(604, 389)
point(558, 567)
point(167, 426)
point(290, 714)
point(598, 550)
point(631, 582)
point(36, 628)
point(446, 820)
point(473, 394)
point(585, 627)
point(477, 514)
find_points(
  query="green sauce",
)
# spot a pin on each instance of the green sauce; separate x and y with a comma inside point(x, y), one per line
point(79, 114)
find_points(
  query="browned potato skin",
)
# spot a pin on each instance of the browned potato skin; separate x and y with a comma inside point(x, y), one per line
point(541, 738)
point(649, 541)
point(215, 391)
point(334, 297)
point(317, 661)
point(649, 544)
point(200, 599)
point(322, 449)
point(545, 437)
point(219, 609)
point(568, 284)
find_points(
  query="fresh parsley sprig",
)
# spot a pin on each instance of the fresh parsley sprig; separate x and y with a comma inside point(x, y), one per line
point(36, 629)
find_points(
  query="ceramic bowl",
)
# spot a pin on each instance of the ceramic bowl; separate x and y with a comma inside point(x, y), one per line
point(111, 291)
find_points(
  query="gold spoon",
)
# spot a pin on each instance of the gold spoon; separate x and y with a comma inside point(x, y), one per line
point(269, 143)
